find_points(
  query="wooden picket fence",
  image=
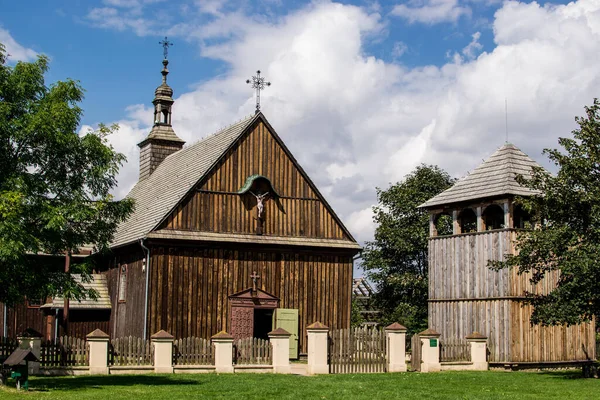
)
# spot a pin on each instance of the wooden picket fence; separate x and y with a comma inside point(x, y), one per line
point(415, 352)
point(252, 351)
point(357, 350)
point(65, 351)
point(453, 349)
point(193, 351)
point(130, 350)
point(7, 346)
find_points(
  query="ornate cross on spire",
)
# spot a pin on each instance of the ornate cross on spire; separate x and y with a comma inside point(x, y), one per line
point(258, 83)
point(165, 44)
point(255, 277)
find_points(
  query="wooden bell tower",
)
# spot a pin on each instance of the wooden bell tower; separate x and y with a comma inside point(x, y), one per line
point(471, 223)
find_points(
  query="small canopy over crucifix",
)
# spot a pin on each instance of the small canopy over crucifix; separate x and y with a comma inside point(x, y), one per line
point(255, 277)
point(258, 83)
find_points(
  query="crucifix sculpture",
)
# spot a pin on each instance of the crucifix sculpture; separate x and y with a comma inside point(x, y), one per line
point(258, 83)
point(255, 277)
point(165, 44)
point(260, 208)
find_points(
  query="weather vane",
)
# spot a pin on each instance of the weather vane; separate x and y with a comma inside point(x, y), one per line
point(258, 83)
point(165, 44)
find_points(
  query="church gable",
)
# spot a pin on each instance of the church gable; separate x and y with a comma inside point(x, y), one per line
point(257, 171)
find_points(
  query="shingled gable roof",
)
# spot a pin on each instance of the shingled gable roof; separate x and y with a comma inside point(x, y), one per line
point(156, 196)
point(494, 177)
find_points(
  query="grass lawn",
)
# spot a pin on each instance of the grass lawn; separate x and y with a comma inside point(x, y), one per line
point(445, 385)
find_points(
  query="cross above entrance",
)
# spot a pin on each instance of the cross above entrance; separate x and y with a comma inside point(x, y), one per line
point(255, 277)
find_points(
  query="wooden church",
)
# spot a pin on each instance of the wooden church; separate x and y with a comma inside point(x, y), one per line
point(465, 295)
point(228, 234)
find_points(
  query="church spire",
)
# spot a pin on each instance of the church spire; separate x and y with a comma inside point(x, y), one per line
point(162, 140)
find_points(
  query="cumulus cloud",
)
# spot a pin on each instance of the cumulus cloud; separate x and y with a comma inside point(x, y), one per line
point(356, 122)
point(16, 51)
point(431, 11)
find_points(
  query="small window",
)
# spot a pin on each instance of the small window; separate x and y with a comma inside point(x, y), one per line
point(35, 303)
point(122, 283)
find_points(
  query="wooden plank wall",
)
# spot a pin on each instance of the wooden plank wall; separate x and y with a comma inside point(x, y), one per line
point(21, 317)
point(217, 207)
point(457, 319)
point(190, 287)
point(82, 322)
point(467, 296)
point(127, 318)
point(549, 343)
point(458, 265)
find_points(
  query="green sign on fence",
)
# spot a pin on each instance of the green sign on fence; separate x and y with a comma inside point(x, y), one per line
point(432, 342)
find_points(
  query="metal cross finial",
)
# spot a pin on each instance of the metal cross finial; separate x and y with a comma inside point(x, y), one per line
point(165, 44)
point(258, 83)
point(255, 279)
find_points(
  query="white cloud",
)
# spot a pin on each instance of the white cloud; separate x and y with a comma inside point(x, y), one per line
point(471, 50)
point(356, 122)
point(431, 11)
point(399, 49)
point(16, 51)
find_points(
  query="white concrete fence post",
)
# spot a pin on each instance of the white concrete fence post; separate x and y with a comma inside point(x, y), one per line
point(430, 351)
point(162, 342)
point(478, 344)
point(396, 347)
point(223, 342)
point(280, 341)
point(317, 348)
point(98, 352)
point(32, 341)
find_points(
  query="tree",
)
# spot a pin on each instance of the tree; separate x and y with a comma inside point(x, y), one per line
point(396, 261)
point(54, 184)
point(566, 233)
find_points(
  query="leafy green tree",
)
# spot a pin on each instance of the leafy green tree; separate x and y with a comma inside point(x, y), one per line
point(396, 260)
point(54, 184)
point(566, 234)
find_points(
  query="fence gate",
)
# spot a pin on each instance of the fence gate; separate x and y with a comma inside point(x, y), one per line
point(355, 350)
point(415, 355)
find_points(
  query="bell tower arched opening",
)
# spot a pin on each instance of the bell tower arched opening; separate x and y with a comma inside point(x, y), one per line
point(493, 217)
point(467, 220)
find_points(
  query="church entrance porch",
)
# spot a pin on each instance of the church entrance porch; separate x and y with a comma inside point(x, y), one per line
point(252, 313)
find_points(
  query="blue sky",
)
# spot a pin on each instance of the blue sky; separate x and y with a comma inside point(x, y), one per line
point(118, 66)
point(363, 91)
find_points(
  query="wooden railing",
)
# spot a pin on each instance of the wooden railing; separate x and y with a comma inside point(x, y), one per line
point(130, 350)
point(452, 350)
point(65, 351)
point(193, 351)
point(252, 351)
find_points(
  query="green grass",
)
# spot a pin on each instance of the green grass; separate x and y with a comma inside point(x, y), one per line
point(445, 385)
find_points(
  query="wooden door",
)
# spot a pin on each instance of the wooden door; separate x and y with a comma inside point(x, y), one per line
point(287, 318)
point(242, 322)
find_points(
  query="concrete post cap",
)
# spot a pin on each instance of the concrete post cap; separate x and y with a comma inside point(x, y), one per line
point(98, 335)
point(396, 327)
point(476, 337)
point(279, 332)
point(429, 333)
point(162, 335)
point(222, 336)
point(317, 326)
